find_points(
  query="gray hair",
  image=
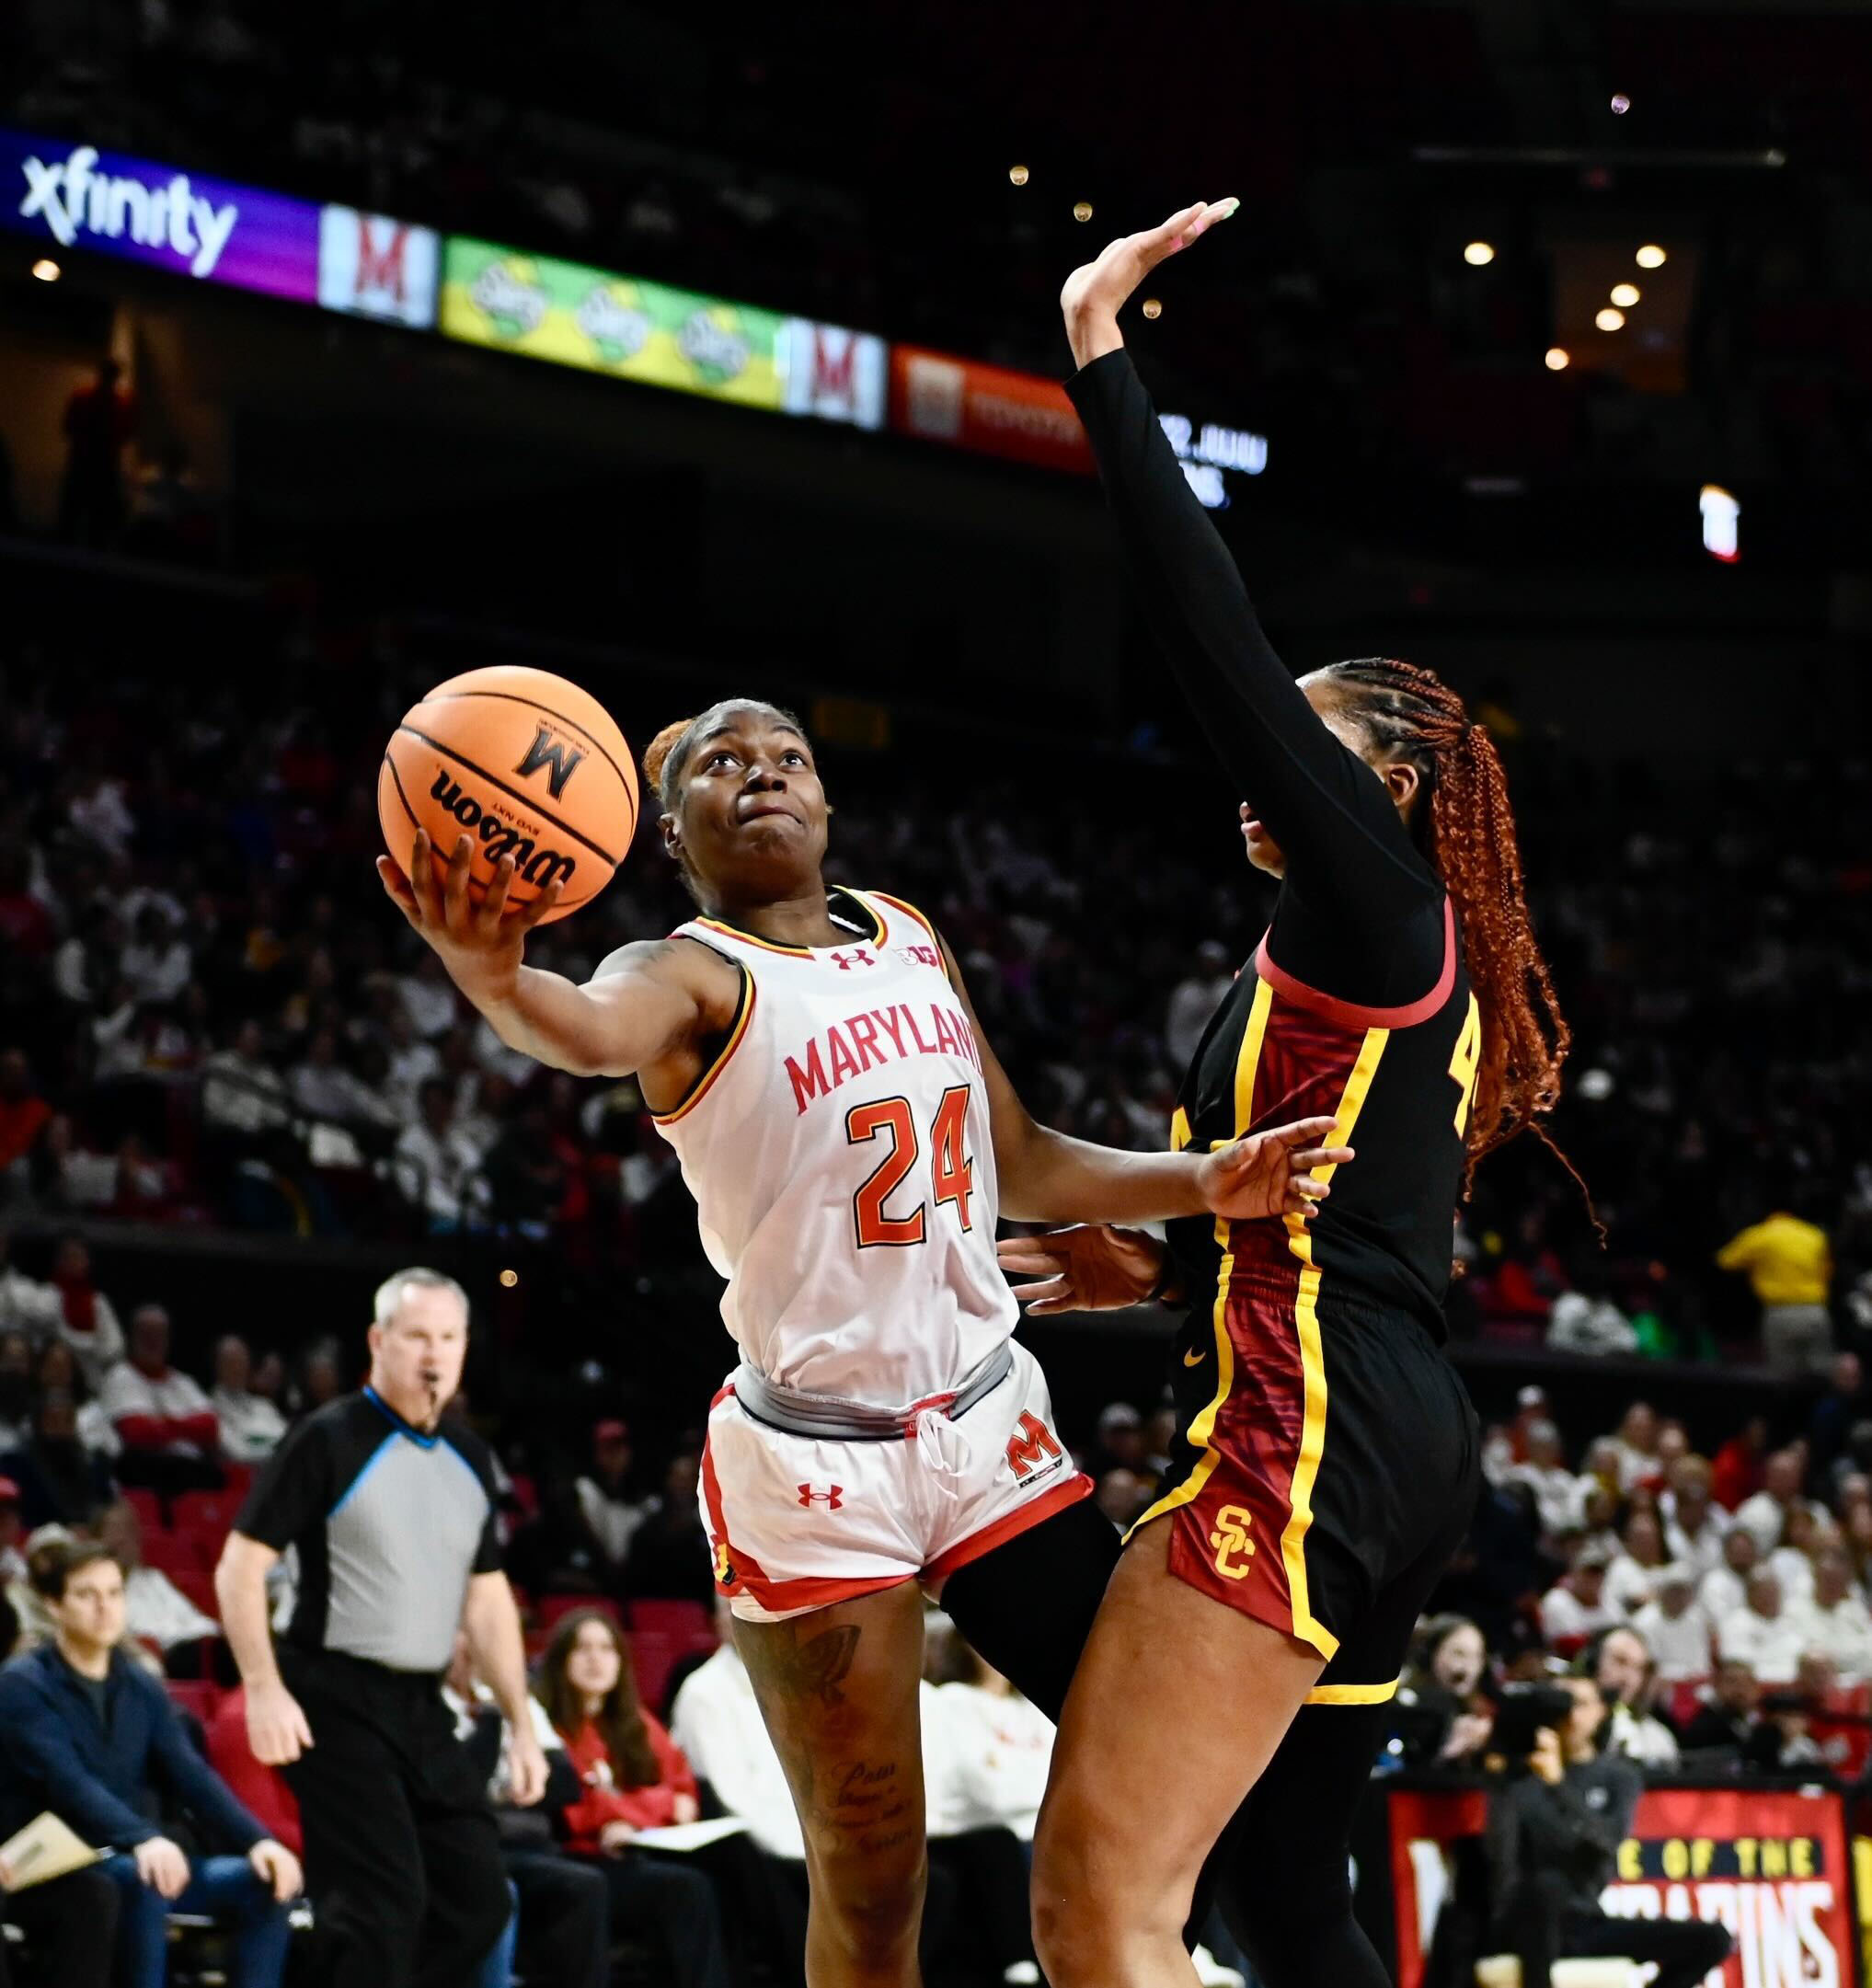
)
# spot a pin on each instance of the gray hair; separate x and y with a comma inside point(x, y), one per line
point(388, 1301)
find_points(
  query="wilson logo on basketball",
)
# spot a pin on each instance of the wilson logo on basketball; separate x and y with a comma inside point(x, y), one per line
point(538, 867)
point(555, 754)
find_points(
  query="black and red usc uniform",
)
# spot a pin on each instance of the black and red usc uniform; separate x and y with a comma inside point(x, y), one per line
point(1328, 1461)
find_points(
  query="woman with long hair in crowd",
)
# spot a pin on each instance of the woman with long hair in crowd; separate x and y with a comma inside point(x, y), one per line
point(852, 1142)
point(635, 1779)
point(1329, 1460)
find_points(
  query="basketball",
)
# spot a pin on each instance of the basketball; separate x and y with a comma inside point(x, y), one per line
point(527, 763)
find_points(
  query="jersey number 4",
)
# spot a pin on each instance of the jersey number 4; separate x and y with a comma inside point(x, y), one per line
point(952, 1171)
point(1466, 1064)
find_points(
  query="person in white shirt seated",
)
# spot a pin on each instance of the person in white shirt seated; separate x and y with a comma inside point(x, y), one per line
point(172, 1440)
point(612, 1509)
point(1763, 1633)
point(1632, 1579)
point(155, 1610)
point(1839, 1626)
point(1765, 1514)
point(26, 1305)
point(1802, 1535)
point(1676, 1629)
point(251, 1426)
point(1636, 1443)
point(1002, 1745)
point(1694, 1524)
point(1556, 1491)
point(1576, 1607)
point(1724, 1588)
point(437, 1167)
point(1621, 1667)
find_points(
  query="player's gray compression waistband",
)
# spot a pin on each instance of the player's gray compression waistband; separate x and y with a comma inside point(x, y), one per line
point(800, 1414)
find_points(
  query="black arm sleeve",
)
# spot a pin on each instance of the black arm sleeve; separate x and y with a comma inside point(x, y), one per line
point(293, 1490)
point(1358, 895)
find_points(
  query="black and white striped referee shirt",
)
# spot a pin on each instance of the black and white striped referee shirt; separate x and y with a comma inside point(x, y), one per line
point(387, 1523)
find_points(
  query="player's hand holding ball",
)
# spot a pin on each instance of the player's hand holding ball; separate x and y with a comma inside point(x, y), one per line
point(1097, 290)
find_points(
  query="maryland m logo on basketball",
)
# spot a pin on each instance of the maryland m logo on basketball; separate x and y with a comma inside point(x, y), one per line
point(1029, 1444)
point(561, 758)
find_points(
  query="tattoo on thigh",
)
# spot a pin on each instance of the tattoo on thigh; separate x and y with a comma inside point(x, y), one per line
point(814, 1668)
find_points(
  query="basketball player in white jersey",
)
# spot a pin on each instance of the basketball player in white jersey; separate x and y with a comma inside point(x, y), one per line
point(850, 1140)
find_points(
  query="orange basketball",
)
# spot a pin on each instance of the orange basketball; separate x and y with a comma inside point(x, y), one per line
point(530, 765)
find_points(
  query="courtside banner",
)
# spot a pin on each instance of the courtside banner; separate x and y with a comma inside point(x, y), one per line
point(1769, 1863)
point(834, 374)
point(604, 323)
point(77, 196)
point(374, 266)
point(987, 409)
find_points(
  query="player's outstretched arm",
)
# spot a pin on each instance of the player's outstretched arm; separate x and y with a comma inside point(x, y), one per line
point(1046, 1176)
point(646, 1002)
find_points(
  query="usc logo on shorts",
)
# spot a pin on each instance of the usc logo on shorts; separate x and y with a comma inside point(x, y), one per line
point(1230, 1538)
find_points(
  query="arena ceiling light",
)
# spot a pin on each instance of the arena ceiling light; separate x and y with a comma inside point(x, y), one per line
point(47, 271)
point(1559, 359)
point(1624, 295)
point(1609, 319)
point(1478, 254)
point(1650, 257)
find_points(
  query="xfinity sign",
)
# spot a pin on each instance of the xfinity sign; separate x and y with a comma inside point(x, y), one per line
point(204, 228)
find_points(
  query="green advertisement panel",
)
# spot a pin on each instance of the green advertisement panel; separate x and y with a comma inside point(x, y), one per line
point(604, 323)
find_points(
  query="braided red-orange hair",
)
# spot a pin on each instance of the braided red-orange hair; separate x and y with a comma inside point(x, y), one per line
point(1468, 831)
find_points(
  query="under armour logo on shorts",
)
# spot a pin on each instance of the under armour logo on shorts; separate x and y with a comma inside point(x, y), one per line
point(833, 1497)
point(856, 957)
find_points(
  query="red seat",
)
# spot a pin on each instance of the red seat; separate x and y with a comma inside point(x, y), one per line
point(147, 1505)
point(173, 1553)
point(555, 1607)
point(204, 1511)
point(526, 1495)
point(199, 1585)
point(1685, 1703)
point(653, 1654)
point(198, 1695)
point(683, 1620)
point(204, 1541)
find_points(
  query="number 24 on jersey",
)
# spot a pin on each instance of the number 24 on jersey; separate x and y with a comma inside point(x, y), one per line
point(952, 1170)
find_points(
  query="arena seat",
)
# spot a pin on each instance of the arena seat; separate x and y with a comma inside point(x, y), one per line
point(198, 1584)
point(653, 1655)
point(553, 1607)
point(147, 1505)
point(205, 1511)
point(199, 1695)
point(174, 1553)
point(1686, 1699)
point(683, 1620)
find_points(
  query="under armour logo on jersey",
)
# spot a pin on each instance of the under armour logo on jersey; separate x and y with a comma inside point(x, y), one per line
point(833, 1497)
point(856, 957)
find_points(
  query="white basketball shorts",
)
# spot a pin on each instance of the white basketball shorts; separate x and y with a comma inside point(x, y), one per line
point(797, 1522)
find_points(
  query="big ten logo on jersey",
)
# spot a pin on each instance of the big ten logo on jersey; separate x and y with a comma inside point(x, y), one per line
point(1233, 1548)
point(373, 265)
point(554, 755)
point(1031, 1451)
point(922, 955)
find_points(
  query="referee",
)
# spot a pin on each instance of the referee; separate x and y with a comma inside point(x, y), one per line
point(390, 1512)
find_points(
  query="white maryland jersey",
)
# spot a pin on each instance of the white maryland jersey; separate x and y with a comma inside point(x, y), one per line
point(840, 1156)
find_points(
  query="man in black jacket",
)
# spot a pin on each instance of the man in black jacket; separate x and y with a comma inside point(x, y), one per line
point(1551, 1847)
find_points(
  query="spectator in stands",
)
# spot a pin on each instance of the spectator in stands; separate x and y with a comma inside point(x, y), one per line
point(1576, 1607)
point(26, 1305)
point(1728, 1713)
point(250, 1425)
point(87, 1733)
point(1694, 1525)
point(1829, 1427)
point(60, 1481)
point(16, 1390)
point(668, 1557)
point(634, 1777)
point(1765, 1514)
point(606, 1494)
point(100, 421)
point(1764, 1633)
point(1675, 1628)
point(155, 1609)
point(1002, 1745)
point(561, 1931)
point(156, 963)
point(1723, 1588)
point(87, 1320)
point(1445, 1719)
point(716, 1720)
point(321, 1378)
point(1636, 1443)
point(24, 1116)
point(57, 1368)
point(1584, 1320)
point(1792, 1560)
point(1838, 1625)
point(1781, 1741)
point(1122, 1495)
point(437, 1167)
point(1739, 1465)
point(242, 1097)
point(1555, 1490)
point(1789, 1265)
point(12, 1551)
point(1621, 1666)
point(1632, 1579)
point(172, 1440)
point(1552, 1843)
point(322, 1087)
point(1120, 1444)
point(1194, 1000)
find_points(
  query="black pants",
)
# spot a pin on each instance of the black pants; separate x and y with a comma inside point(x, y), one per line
point(1542, 1922)
point(669, 1902)
point(565, 1918)
point(71, 1931)
point(994, 1871)
point(402, 1861)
